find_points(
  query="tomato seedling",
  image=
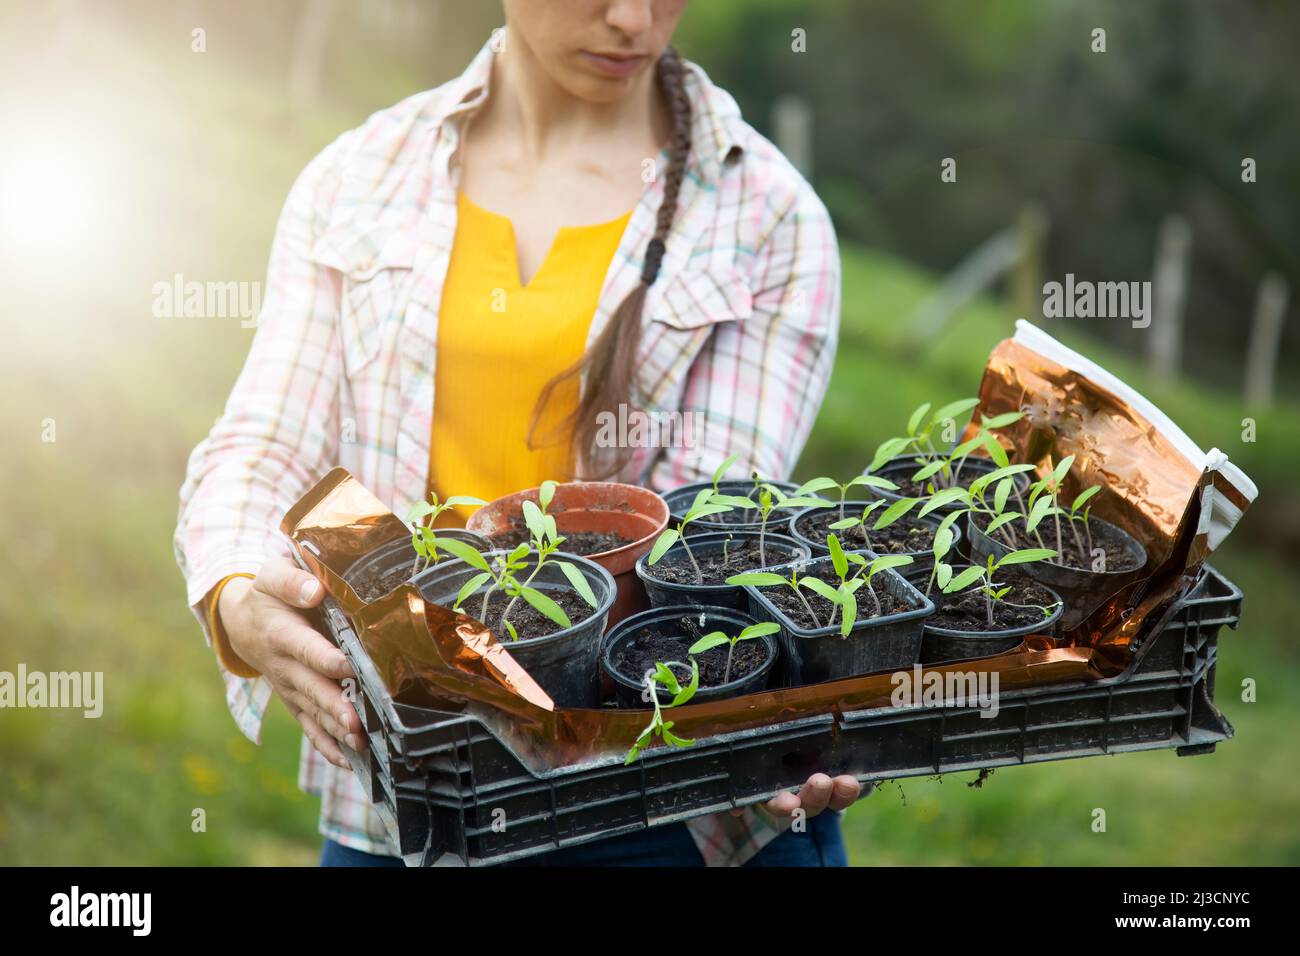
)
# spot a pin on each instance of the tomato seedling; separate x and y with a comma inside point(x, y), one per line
point(423, 536)
point(981, 576)
point(718, 638)
point(658, 727)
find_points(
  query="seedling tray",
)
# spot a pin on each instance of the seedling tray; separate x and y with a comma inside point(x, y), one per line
point(450, 793)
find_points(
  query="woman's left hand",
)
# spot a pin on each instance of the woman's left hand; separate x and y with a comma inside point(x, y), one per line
point(819, 793)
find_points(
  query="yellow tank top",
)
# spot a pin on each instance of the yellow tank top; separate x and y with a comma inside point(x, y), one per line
point(499, 343)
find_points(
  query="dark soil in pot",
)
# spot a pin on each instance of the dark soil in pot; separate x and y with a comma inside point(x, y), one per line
point(649, 646)
point(372, 588)
point(720, 554)
point(1083, 589)
point(967, 611)
point(666, 634)
point(389, 567)
point(717, 565)
point(528, 621)
point(1120, 556)
point(681, 498)
point(811, 653)
point(907, 535)
point(585, 543)
point(788, 603)
point(958, 630)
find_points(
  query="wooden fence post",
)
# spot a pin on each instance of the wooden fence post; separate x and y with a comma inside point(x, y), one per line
point(310, 47)
point(1169, 294)
point(792, 129)
point(1027, 273)
point(1265, 341)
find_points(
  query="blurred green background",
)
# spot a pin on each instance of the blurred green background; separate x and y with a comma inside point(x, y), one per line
point(147, 159)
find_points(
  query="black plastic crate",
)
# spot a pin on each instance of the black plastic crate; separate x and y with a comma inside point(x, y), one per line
point(450, 793)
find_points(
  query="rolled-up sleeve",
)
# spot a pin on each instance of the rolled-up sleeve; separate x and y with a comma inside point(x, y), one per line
point(279, 431)
point(756, 386)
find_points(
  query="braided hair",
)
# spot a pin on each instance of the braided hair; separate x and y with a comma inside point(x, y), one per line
point(609, 366)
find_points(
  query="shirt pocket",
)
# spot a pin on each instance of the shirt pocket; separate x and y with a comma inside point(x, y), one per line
point(689, 309)
point(375, 283)
point(691, 301)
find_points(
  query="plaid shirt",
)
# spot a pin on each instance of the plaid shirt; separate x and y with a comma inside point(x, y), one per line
point(740, 330)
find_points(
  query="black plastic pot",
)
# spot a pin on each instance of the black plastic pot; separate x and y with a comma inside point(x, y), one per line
point(682, 497)
point(1083, 591)
point(813, 655)
point(630, 692)
point(567, 663)
point(382, 560)
point(942, 645)
point(782, 549)
point(922, 561)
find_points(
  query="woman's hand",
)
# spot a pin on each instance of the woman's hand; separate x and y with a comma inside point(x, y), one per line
point(819, 793)
point(303, 667)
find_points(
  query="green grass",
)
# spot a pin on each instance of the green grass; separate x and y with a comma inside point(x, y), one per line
point(90, 583)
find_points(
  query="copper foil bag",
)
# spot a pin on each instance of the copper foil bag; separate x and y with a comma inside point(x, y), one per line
point(1177, 501)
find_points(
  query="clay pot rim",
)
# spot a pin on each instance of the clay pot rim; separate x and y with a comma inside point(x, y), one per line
point(638, 497)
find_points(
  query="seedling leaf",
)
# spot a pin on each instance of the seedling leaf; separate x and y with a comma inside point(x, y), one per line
point(579, 582)
point(466, 552)
point(548, 607)
point(664, 542)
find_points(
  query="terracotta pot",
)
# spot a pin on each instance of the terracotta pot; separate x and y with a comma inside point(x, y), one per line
point(601, 506)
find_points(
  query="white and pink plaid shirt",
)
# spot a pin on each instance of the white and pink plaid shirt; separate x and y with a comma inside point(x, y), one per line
point(740, 329)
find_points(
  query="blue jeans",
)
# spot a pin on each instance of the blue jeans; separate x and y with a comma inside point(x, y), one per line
point(821, 844)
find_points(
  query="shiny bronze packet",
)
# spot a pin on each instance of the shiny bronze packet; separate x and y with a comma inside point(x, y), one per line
point(1176, 500)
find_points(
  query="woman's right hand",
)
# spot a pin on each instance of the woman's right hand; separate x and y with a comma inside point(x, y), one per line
point(264, 628)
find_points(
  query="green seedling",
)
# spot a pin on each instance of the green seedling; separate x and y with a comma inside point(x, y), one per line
point(1044, 504)
point(919, 438)
point(853, 571)
point(767, 579)
point(816, 485)
point(770, 499)
point(1081, 511)
point(421, 517)
point(658, 727)
point(702, 507)
point(893, 511)
point(974, 500)
point(939, 469)
point(944, 537)
point(944, 470)
point(1042, 501)
point(982, 577)
point(718, 638)
point(722, 470)
point(502, 574)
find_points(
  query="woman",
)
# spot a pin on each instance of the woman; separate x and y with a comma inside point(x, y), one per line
point(459, 290)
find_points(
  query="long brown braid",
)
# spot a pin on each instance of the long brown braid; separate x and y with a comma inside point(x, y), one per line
point(609, 366)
